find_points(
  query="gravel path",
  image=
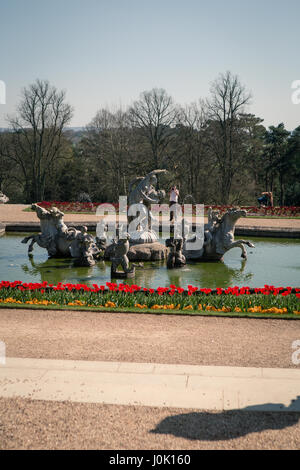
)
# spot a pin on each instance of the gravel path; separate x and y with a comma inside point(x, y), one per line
point(15, 213)
point(27, 424)
point(164, 339)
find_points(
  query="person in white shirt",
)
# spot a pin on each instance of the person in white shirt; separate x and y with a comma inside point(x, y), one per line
point(174, 193)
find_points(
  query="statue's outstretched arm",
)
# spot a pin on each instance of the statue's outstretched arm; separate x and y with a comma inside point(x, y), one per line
point(147, 198)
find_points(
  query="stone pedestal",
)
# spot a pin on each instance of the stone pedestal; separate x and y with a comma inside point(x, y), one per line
point(148, 252)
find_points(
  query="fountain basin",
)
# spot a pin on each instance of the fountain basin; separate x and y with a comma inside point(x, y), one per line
point(273, 262)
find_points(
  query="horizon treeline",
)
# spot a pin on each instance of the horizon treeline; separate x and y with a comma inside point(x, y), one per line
point(214, 151)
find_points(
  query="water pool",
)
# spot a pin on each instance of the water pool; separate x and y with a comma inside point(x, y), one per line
point(272, 261)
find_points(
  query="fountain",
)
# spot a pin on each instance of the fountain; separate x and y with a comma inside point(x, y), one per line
point(138, 242)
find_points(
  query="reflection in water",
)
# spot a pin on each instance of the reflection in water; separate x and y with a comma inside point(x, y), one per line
point(274, 262)
point(63, 269)
point(210, 274)
point(149, 275)
point(56, 270)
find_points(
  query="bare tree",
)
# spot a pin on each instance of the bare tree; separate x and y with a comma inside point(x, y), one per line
point(227, 102)
point(154, 113)
point(37, 138)
point(7, 169)
point(191, 160)
point(108, 146)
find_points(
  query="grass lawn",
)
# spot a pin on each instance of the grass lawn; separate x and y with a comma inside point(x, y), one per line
point(289, 316)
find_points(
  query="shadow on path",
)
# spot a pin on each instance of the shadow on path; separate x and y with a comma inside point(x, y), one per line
point(215, 426)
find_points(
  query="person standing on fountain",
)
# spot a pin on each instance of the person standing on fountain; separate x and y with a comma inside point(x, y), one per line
point(174, 193)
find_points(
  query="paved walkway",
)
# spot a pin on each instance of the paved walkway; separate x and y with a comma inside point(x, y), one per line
point(148, 384)
point(15, 213)
point(190, 362)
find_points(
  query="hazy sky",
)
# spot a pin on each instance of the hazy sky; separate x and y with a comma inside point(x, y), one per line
point(106, 52)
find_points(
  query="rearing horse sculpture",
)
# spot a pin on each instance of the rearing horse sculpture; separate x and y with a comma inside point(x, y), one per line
point(55, 236)
point(60, 240)
point(219, 239)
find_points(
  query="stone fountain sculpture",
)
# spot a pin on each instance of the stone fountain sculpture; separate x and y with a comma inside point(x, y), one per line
point(60, 240)
point(144, 244)
point(101, 241)
point(142, 191)
point(175, 257)
point(83, 248)
point(218, 237)
point(119, 257)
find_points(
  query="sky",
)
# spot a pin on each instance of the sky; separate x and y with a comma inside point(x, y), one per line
point(104, 53)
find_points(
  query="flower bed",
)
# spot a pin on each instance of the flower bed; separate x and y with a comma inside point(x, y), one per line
point(88, 207)
point(280, 211)
point(66, 207)
point(245, 300)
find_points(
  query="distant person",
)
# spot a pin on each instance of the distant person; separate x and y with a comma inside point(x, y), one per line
point(174, 193)
point(266, 199)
